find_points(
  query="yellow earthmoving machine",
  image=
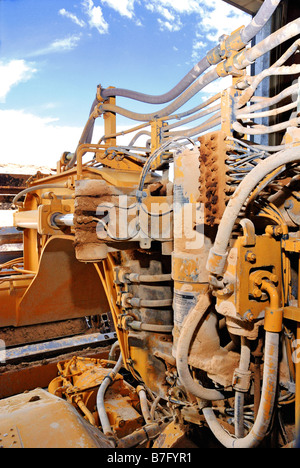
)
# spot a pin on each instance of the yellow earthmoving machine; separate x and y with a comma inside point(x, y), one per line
point(156, 300)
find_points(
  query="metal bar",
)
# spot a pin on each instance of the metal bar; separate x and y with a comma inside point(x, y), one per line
point(63, 220)
point(52, 347)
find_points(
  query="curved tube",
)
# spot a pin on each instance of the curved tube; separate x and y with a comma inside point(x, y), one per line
point(268, 102)
point(218, 253)
point(137, 278)
point(186, 335)
point(214, 121)
point(191, 76)
point(154, 406)
point(269, 113)
point(265, 412)
point(260, 20)
point(247, 34)
point(197, 86)
point(112, 352)
point(195, 109)
point(137, 136)
point(248, 56)
point(208, 111)
point(278, 71)
point(106, 427)
point(263, 129)
point(36, 187)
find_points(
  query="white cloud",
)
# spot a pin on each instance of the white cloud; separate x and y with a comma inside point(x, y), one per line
point(12, 73)
point(95, 15)
point(215, 24)
point(124, 7)
point(211, 24)
point(68, 43)
point(72, 17)
point(43, 140)
point(171, 26)
point(59, 45)
point(198, 47)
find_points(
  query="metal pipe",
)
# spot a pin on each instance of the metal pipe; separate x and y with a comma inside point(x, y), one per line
point(266, 409)
point(59, 219)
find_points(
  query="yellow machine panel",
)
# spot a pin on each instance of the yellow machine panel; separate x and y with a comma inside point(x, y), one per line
point(156, 300)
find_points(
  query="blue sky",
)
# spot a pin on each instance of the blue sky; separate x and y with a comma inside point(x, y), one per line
point(54, 53)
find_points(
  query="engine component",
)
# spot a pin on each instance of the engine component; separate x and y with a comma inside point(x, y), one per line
point(195, 271)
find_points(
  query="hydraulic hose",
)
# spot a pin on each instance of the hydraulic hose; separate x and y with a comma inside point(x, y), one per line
point(106, 427)
point(190, 325)
point(247, 34)
point(36, 187)
point(144, 404)
point(191, 76)
point(92, 124)
point(266, 408)
point(197, 86)
point(112, 352)
point(240, 396)
point(260, 20)
point(218, 253)
point(249, 56)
